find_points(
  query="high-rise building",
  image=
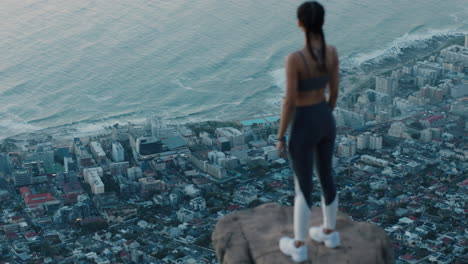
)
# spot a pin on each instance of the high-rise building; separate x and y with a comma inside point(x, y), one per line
point(386, 85)
point(69, 164)
point(235, 136)
point(117, 152)
point(22, 177)
point(466, 41)
point(375, 141)
point(363, 140)
point(98, 153)
point(93, 178)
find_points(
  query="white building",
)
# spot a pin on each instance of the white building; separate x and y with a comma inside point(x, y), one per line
point(270, 153)
point(206, 139)
point(397, 129)
point(117, 152)
point(98, 152)
point(216, 156)
point(375, 142)
point(235, 136)
point(455, 53)
point(93, 177)
point(362, 140)
point(374, 161)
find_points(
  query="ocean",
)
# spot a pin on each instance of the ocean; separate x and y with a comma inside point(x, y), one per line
point(93, 63)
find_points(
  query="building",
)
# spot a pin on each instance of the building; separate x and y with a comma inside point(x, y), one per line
point(216, 156)
point(119, 168)
point(105, 201)
point(149, 147)
point(149, 185)
point(134, 173)
point(223, 144)
point(432, 121)
point(230, 162)
point(33, 200)
point(117, 152)
point(375, 142)
point(45, 153)
point(386, 85)
point(160, 130)
point(374, 161)
point(397, 129)
point(184, 215)
point(98, 153)
point(198, 203)
point(460, 90)
point(69, 164)
point(79, 149)
point(93, 177)
point(233, 135)
point(212, 169)
point(346, 147)
point(455, 53)
point(22, 177)
point(426, 135)
point(466, 41)
point(270, 153)
point(119, 133)
point(362, 140)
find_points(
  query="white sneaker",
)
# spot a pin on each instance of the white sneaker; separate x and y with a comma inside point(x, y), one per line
point(331, 240)
point(298, 254)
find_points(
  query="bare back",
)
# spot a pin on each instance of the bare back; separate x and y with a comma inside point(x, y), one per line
point(310, 71)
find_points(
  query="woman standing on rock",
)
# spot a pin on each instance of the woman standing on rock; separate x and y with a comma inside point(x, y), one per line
point(312, 136)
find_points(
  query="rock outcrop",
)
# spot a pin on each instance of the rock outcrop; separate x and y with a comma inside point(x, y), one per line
point(251, 236)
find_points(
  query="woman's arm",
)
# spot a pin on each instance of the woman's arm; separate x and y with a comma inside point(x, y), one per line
point(334, 80)
point(289, 101)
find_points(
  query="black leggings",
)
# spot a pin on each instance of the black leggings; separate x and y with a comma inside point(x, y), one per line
point(311, 140)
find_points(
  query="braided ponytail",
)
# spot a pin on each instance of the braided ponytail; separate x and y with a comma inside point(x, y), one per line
point(324, 49)
point(311, 14)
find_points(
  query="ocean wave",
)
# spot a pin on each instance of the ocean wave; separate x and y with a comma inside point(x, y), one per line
point(412, 39)
point(11, 124)
point(279, 78)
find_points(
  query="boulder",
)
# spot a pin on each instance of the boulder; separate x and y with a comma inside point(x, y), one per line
point(252, 235)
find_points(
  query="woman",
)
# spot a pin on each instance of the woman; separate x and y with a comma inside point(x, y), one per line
point(312, 136)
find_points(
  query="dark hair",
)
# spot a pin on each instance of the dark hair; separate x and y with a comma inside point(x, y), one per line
point(311, 14)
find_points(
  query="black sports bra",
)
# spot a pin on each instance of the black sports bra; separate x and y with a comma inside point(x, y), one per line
point(314, 83)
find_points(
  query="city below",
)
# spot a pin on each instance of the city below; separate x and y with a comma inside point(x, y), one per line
point(152, 192)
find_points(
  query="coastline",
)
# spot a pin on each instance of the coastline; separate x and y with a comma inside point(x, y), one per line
point(352, 80)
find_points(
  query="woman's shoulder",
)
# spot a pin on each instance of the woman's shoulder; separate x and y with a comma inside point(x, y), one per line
point(331, 50)
point(332, 55)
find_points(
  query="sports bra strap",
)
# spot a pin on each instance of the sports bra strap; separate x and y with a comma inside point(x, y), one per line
point(305, 61)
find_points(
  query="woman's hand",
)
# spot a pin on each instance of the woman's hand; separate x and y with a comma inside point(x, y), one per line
point(281, 148)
